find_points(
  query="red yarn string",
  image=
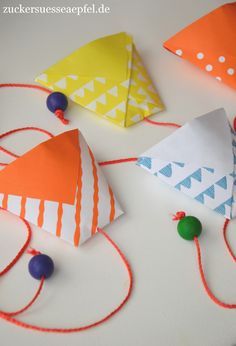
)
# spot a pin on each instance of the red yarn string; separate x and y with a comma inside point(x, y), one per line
point(204, 282)
point(103, 163)
point(11, 265)
point(9, 317)
point(33, 252)
point(8, 153)
point(23, 85)
point(59, 113)
point(113, 162)
point(179, 216)
point(21, 129)
point(132, 159)
point(22, 250)
point(228, 247)
point(18, 312)
point(160, 123)
point(31, 128)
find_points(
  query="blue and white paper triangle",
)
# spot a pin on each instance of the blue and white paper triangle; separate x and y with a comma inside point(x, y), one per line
point(198, 160)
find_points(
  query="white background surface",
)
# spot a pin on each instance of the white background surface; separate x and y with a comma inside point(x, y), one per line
point(168, 306)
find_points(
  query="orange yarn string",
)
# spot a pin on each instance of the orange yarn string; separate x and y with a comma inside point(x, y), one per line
point(179, 216)
point(204, 282)
point(24, 85)
point(9, 316)
point(22, 250)
point(113, 162)
point(27, 128)
point(132, 159)
point(160, 123)
point(59, 113)
point(33, 252)
point(228, 247)
point(18, 312)
point(13, 262)
point(21, 129)
point(31, 128)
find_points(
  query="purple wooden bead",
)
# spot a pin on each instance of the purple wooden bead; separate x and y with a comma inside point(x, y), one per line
point(57, 100)
point(41, 265)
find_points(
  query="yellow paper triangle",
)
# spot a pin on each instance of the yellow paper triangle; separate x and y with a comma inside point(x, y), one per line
point(107, 77)
point(105, 57)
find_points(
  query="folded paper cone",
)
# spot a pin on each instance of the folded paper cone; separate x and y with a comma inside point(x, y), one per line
point(199, 160)
point(209, 43)
point(106, 76)
point(59, 187)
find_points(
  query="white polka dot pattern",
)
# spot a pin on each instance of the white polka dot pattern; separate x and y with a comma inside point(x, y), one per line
point(209, 43)
point(221, 59)
point(179, 52)
point(200, 56)
point(230, 71)
point(209, 68)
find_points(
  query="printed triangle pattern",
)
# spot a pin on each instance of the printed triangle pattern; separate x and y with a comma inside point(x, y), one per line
point(143, 99)
point(115, 85)
point(194, 182)
point(211, 186)
point(174, 149)
point(105, 57)
point(47, 172)
point(209, 43)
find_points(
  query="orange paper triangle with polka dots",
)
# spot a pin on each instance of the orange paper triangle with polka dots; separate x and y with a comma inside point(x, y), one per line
point(47, 172)
point(209, 43)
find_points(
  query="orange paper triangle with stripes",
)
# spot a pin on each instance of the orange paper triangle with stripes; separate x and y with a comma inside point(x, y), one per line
point(209, 43)
point(47, 172)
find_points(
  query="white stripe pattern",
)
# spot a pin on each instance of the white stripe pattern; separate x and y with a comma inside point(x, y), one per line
point(68, 219)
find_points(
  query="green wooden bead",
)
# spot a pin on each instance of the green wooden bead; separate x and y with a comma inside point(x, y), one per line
point(189, 227)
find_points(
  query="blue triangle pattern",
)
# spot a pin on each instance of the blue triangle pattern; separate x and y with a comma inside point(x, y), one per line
point(211, 170)
point(197, 175)
point(222, 183)
point(186, 182)
point(178, 186)
point(210, 192)
point(200, 198)
point(180, 164)
point(145, 161)
point(221, 208)
point(229, 202)
point(166, 171)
